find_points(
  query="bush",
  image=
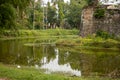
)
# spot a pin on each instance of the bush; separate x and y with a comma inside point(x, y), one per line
point(104, 34)
point(108, 45)
point(99, 13)
point(7, 16)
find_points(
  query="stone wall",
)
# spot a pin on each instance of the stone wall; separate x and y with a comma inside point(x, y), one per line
point(110, 23)
point(87, 21)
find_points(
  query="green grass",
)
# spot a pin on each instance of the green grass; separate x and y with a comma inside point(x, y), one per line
point(26, 73)
point(62, 37)
point(90, 43)
point(33, 33)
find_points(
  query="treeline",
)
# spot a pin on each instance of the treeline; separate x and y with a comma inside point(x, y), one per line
point(32, 14)
point(11, 12)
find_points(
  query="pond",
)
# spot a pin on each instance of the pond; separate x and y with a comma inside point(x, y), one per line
point(45, 54)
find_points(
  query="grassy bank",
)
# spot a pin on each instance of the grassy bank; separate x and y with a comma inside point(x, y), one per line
point(34, 33)
point(96, 42)
point(26, 73)
point(63, 37)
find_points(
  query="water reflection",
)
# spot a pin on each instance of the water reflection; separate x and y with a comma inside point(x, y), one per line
point(62, 59)
point(53, 66)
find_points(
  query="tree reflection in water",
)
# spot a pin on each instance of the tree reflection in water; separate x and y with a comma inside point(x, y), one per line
point(83, 62)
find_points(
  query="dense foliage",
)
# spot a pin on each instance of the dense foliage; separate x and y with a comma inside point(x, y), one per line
point(10, 10)
point(31, 14)
point(92, 2)
point(104, 34)
point(99, 13)
point(7, 16)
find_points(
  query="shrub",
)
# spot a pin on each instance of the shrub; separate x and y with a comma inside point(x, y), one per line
point(7, 16)
point(108, 44)
point(99, 13)
point(104, 34)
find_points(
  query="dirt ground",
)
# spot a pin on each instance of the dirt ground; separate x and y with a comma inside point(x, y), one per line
point(3, 79)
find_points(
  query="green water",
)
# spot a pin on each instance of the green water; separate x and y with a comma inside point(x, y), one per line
point(44, 54)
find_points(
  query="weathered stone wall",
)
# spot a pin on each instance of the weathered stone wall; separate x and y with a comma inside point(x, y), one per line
point(110, 23)
point(87, 21)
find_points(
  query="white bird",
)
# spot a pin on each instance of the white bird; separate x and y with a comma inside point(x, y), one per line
point(18, 66)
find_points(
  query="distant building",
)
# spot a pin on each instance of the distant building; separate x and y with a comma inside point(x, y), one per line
point(111, 4)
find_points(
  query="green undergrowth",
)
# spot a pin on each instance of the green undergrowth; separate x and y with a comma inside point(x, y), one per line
point(64, 37)
point(96, 42)
point(26, 73)
point(88, 50)
point(33, 33)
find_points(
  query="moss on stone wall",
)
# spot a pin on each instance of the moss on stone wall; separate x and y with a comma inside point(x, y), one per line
point(100, 18)
point(99, 13)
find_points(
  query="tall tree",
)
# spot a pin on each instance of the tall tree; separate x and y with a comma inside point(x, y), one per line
point(51, 16)
point(35, 14)
point(8, 9)
point(38, 15)
point(7, 16)
point(74, 13)
point(60, 4)
point(61, 11)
